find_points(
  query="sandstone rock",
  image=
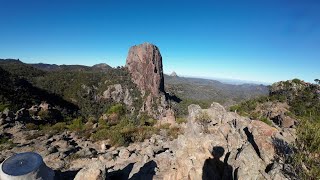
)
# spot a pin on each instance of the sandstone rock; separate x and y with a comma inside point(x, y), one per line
point(87, 152)
point(144, 63)
point(94, 171)
point(276, 112)
point(168, 118)
point(52, 149)
point(104, 146)
point(124, 154)
point(247, 163)
point(117, 93)
point(148, 151)
point(262, 134)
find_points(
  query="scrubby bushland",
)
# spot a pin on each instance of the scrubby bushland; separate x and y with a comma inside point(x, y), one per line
point(129, 128)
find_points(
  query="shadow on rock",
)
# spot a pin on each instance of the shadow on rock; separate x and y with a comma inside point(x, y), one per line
point(146, 172)
point(214, 169)
point(66, 175)
point(122, 174)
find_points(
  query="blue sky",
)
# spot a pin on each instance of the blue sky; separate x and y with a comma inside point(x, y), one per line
point(265, 40)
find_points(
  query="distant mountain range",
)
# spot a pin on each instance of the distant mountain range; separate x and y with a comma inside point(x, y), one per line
point(212, 90)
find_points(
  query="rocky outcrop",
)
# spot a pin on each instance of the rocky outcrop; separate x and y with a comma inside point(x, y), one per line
point(144, 63)
point(214, 144)
point(226, 146)
point(277, 112)
point(119, 94)
point(173, 74)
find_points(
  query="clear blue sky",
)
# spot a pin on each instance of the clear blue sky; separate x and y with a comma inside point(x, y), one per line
point(261, 40)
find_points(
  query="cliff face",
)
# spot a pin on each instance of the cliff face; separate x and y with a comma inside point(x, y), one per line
point(144, 63)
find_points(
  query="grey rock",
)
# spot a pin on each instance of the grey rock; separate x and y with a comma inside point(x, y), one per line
point(52, 149)
point(94, 171)
point(124, 154)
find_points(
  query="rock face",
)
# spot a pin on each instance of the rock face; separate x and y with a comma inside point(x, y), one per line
point(144, 63)
point(276, 111)
point(119, 94)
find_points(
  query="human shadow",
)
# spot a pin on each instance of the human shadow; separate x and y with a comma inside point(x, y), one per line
point(65, 175)
point(146, 172)
point(214, 168)
point(122, 174)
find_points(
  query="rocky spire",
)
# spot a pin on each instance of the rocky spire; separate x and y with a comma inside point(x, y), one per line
point(144, 63)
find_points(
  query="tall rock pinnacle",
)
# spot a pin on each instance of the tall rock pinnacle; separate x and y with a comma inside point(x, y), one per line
point(144, 63)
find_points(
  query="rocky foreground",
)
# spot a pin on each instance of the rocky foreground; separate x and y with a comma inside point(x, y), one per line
point(215, 144)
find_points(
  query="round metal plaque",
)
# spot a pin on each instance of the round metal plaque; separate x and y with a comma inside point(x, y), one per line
point(22, 163)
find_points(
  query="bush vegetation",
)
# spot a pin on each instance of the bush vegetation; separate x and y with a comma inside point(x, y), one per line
point(5, 142)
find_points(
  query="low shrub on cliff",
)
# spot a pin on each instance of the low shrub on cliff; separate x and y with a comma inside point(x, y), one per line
point(76, 125)
point(3, 106)
point(181, 120)
point(116, 109)
point(203, 118)
point(5, 142)
point(266, 120)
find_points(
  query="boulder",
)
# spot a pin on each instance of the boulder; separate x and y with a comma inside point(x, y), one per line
point(262, 137)
point(93, 171)
point(124, 154)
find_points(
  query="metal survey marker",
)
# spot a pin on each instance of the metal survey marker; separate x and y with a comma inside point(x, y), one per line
point(22, 164)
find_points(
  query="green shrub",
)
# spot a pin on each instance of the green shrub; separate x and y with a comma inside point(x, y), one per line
point(3, 106)
point(146, 120)
point(102, 123)
point(203, 117)
point(92, 119)
point(181, 120)
point(5, 143)
point(44, 115)
point(76, 125)
point(165, 126)
point(266, 120)
point(297, 81)
point(124, 133)
point(308, 150)
point(142, 133)
point(59, 127)
point(117, 109)
point(101, 134)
